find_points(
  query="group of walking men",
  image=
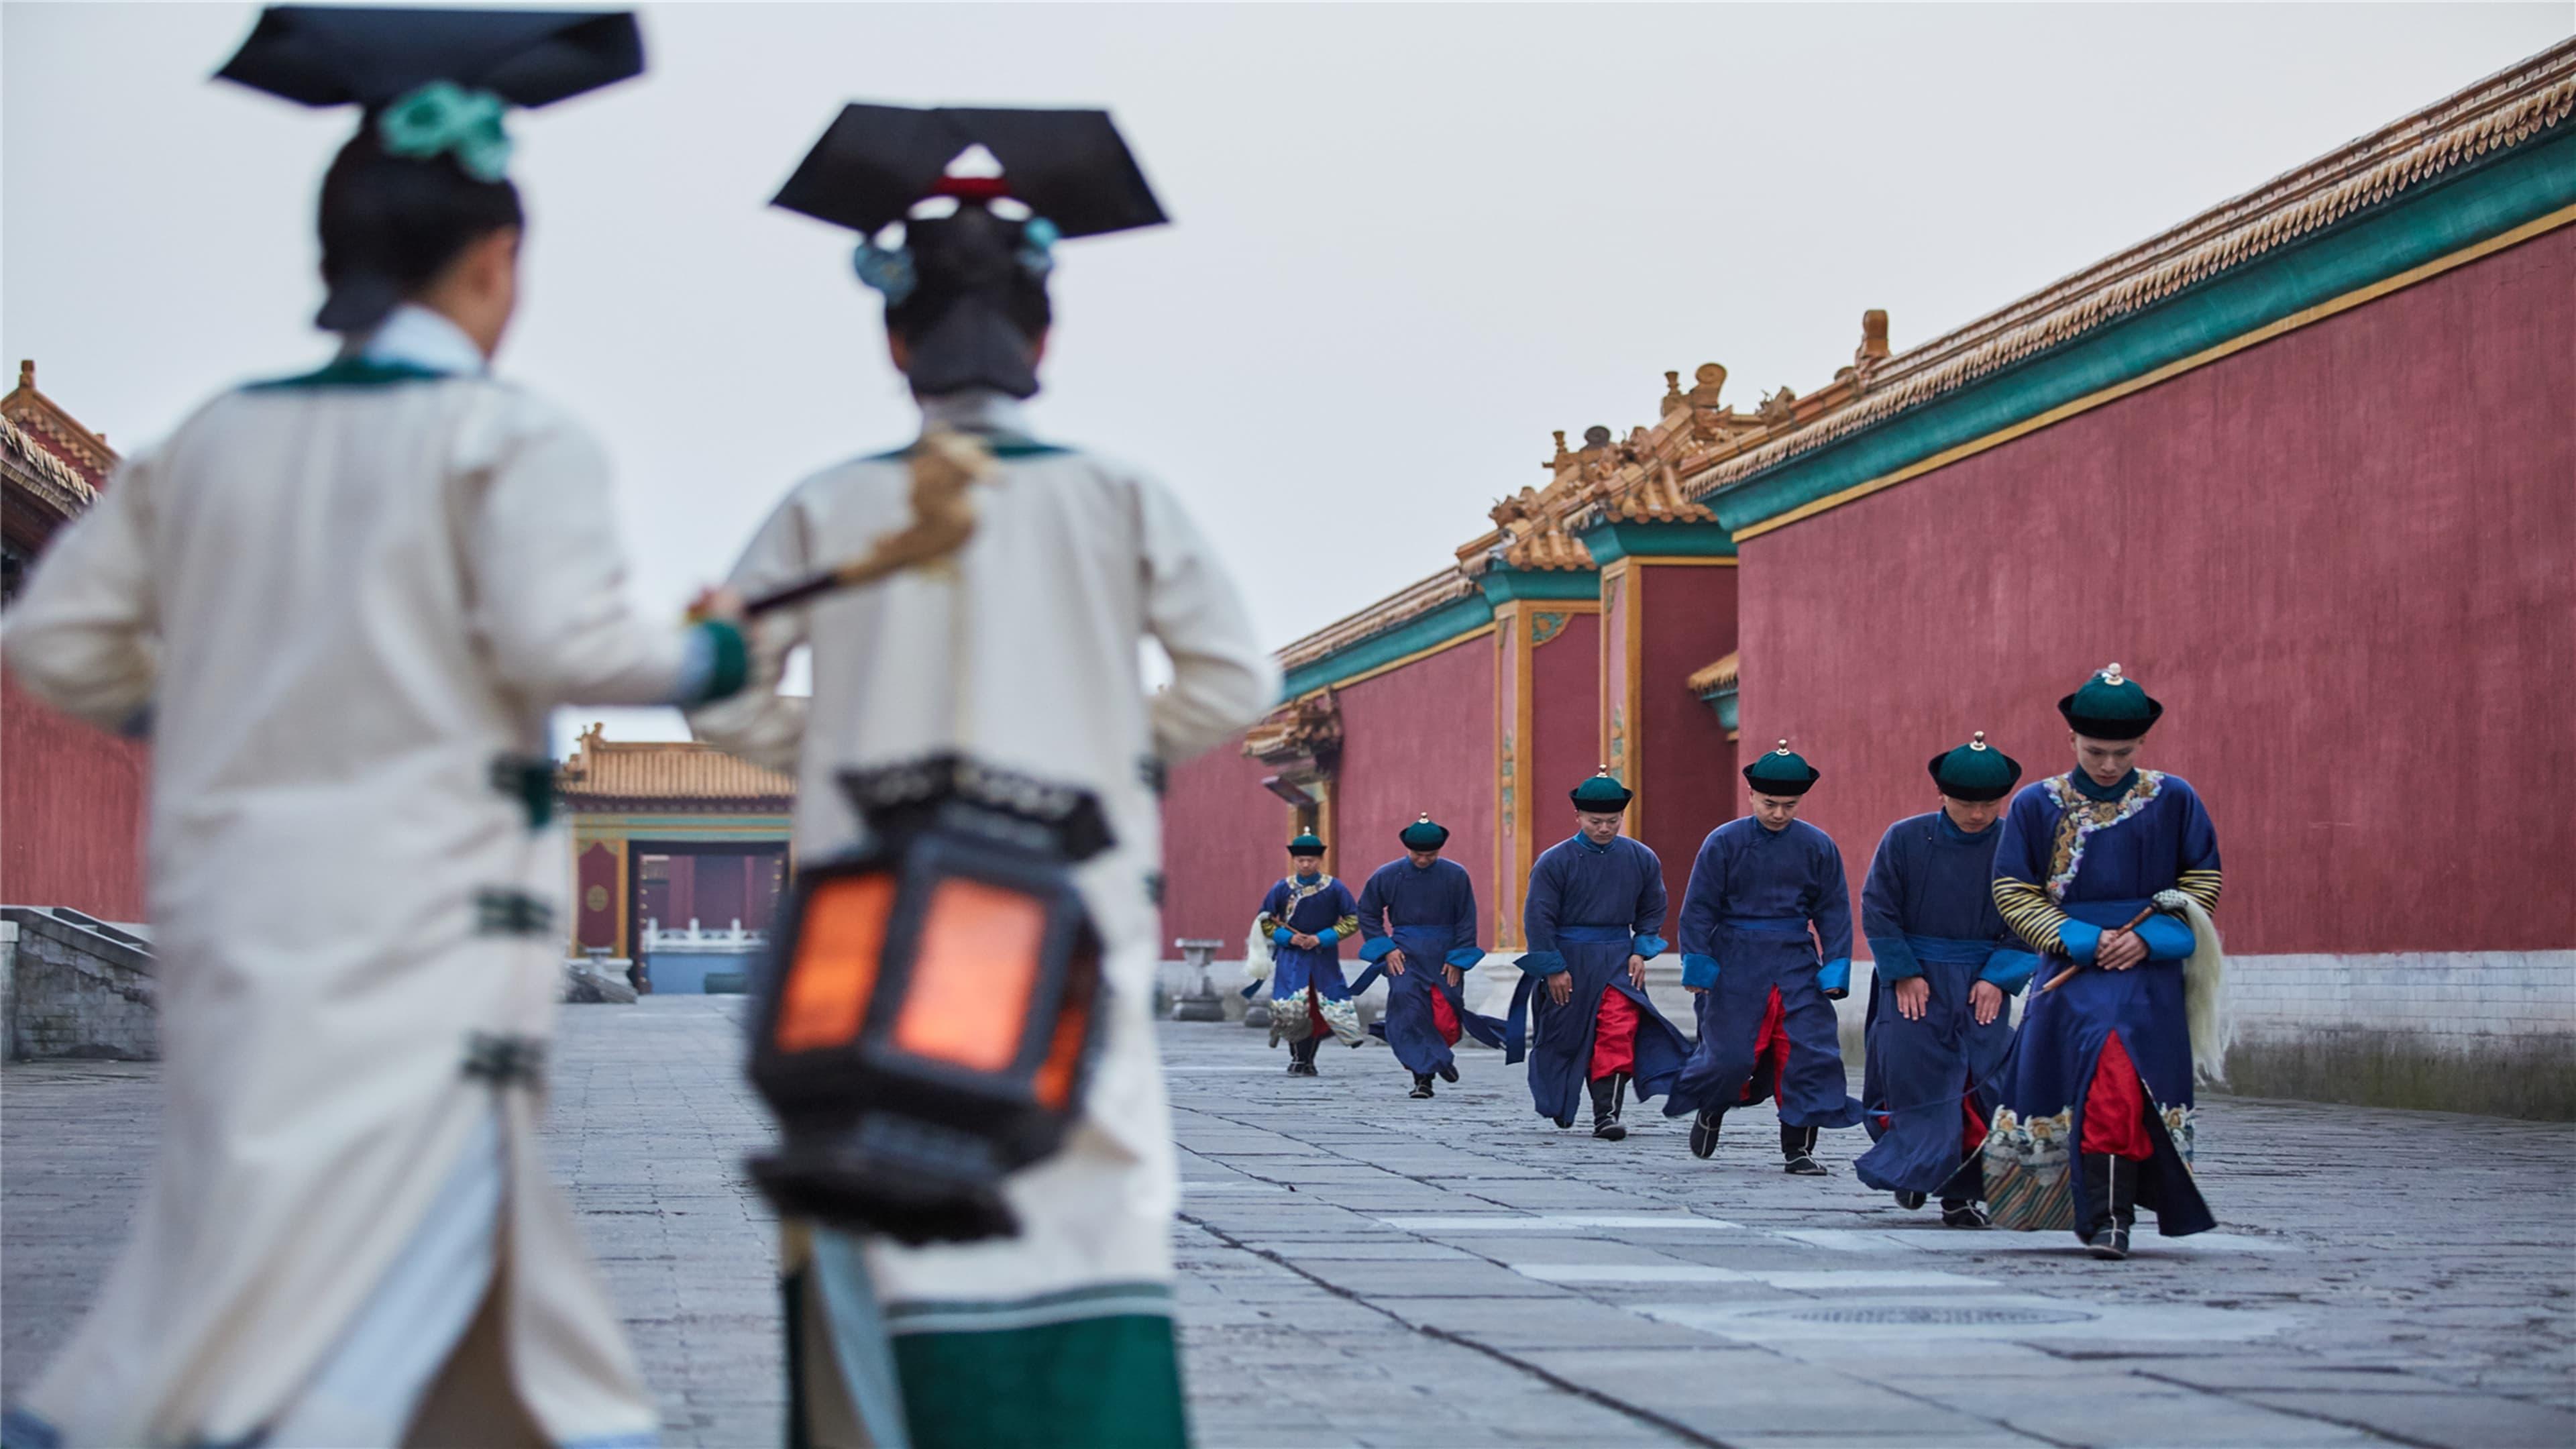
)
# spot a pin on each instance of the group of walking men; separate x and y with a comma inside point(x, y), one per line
point(2103, 875)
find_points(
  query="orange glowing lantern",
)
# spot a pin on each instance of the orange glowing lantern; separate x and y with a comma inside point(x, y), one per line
point(930, 1016)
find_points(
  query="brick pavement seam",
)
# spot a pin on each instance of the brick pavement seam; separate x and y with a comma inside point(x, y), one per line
point(1649, 1417)
point(2233, 1397)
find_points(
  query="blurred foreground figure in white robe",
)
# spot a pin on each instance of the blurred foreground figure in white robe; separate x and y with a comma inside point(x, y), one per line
point(1019, 651)
point(344, 605)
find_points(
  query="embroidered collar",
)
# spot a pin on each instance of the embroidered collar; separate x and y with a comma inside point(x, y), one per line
point(2080, 815)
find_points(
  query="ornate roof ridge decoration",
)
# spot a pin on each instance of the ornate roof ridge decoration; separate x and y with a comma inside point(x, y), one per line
point(2502, 110)
point(1303, 738)
point(86, 452)
point(681, 774)
point(52, 483)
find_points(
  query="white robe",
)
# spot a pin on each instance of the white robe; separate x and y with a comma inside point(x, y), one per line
point(1022, 652)
point(341, 604)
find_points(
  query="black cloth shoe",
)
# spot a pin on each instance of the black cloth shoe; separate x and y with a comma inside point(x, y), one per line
point(1798, 1147)
point(1449, 1072)
point(1606, 1092)
point(1957, 1214)
point(2111, 1244)
point(1704, 1126)
point(1910, 1200)
point(1421, 1085)
point(2111, 1189)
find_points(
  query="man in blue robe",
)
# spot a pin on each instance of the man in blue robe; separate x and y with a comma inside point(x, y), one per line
point(1306, 916)
point(1938, 1024)
point(2104, 1064)
point(1766, 949)
point(1594, 906)
point(1418, 924)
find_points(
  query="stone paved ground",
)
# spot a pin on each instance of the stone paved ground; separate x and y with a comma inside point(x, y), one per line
point(1364, 1269)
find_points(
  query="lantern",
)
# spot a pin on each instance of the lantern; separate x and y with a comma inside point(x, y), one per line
point(929, 1018)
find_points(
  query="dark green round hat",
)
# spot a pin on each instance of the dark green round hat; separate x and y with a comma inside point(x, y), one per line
point(1781, 772)
point(1602, 793)
point(1975, 771)
point(1306, 843)
point(2110, 706)
point(1422, 834)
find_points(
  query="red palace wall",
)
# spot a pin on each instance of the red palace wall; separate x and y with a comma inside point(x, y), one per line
point(71, 812)
point(1415, 739)
point(2343, 560)
point(1565, 731)
point(1223, 839)
point(1691, 784)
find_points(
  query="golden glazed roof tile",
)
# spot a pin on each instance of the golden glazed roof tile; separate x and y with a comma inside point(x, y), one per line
point(1711, 676)
point(678, 772)
point(2503, 110)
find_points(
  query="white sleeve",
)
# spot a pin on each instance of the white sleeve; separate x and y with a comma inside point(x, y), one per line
point(1222, 680)
point(84, 636)
point(758, 723)
point(549, 577)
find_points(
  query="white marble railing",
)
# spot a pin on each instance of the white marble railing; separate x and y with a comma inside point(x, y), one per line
point(695, 938)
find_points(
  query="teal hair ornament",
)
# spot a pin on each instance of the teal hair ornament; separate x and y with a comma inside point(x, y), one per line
point(887, 270)
point(1037, 246)
point(443, 118)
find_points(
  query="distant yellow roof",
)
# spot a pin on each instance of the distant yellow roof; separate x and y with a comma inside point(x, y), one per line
point(609, 773)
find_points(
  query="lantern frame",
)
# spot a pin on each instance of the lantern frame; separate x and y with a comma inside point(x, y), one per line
point(884, 1136)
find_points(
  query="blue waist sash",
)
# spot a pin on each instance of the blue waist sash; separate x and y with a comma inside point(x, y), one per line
point(1950, 950)
point(1594, 935)
point(1765, 925)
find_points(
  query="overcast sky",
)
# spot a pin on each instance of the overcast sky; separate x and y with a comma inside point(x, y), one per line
point(1410, 240)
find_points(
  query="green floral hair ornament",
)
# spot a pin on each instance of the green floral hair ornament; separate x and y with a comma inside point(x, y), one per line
point(444, 118)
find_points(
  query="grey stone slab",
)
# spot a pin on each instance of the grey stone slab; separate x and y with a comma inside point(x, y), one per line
point(2471, 1421)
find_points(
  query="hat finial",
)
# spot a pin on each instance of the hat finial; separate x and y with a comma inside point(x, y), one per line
point(1979, 742)
point(1422, 819)
point(1784, 748)
point(2112, 676)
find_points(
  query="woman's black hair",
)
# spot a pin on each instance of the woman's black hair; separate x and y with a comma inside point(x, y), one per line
point(978, 300)
point(391, 224)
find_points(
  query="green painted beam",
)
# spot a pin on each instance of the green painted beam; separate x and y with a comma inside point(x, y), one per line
point(2419, 225)
point(1501, 586)
point(1421, 632)
point(1610, 542)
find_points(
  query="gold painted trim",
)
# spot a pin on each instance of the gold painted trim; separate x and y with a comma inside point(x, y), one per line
point(2265, 333)
point(1389, 667)
point(1677, 562)
point(1513, 746)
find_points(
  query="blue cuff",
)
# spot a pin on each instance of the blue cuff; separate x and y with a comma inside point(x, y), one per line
point(1834, 975)
point(1375, 948)
point(1282, 936)
point(2010, 970)
point(714, 663)
point(1541, 963)
point(1893, 960)
point(1650, 947)
point(1326, 937)
point(1466, 958)
point(2168, 938)
point(1699, 972)
point(2079, 939)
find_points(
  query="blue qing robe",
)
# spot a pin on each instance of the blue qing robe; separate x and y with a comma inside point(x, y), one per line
point(1928, 910)
point(1766, 1028)
point(2075, 861)
point(1589, 908)
point(1318, 906)
point(1428, 913)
